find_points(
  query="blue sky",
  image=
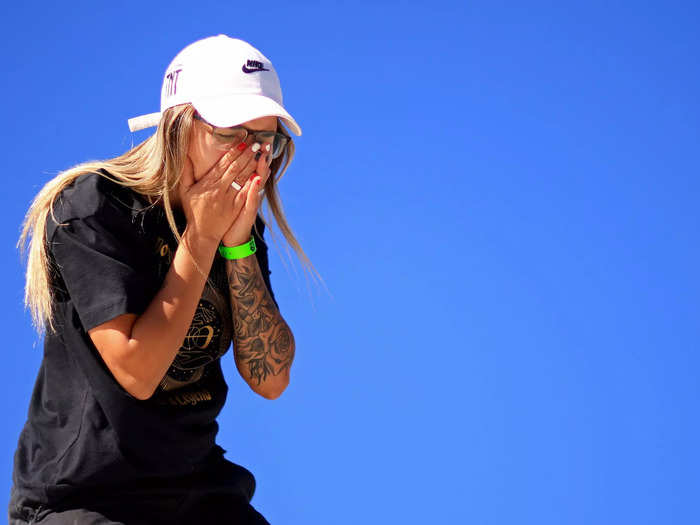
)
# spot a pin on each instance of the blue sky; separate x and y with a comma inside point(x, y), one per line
point(502, 199)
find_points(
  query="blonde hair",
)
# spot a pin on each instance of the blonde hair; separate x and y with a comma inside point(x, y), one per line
point(152, 168)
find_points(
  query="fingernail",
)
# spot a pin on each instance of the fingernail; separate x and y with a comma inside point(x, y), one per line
point(253, 176)
point(255, 147)
point(257, 155)
point(242, 146)
point(267, 147)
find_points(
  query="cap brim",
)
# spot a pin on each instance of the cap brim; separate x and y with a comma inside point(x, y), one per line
point(235, 110)
point(144, 121)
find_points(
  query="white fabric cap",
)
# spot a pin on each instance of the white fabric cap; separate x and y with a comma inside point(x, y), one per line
point(228, 82)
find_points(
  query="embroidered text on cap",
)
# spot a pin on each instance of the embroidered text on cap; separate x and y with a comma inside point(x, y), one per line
point(171, 81)
point(252, 66)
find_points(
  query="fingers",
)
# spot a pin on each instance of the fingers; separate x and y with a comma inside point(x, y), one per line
point(247, 201)
point(241, 169)
point(223, 164)
point(249, 169)
point(219, 169)
point(240, 199)
point(259, 165)
point(244, 210)
point(263, 166)
point(252, 202)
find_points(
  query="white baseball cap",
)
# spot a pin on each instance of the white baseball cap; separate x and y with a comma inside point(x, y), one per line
point(227, 81)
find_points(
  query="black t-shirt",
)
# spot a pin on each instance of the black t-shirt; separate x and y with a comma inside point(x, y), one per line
point(109, 253)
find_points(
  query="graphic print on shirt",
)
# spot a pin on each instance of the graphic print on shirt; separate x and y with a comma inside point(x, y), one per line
point(209, 335)
point(165, 256)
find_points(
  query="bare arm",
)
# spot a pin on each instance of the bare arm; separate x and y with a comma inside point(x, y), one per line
point(263, 342)
point(139, 350)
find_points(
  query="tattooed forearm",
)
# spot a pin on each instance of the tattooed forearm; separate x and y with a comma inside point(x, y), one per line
point(264, 344)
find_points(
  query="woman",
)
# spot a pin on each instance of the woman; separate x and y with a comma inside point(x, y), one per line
point(143, 269)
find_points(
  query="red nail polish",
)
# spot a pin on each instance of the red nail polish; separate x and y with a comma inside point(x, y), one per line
point(253, 176)
point(242, 146)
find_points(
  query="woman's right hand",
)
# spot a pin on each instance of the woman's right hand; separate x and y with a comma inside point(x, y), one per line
point(210, 203)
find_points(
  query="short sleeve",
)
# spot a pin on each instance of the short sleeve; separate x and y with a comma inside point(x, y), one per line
point(102, 271)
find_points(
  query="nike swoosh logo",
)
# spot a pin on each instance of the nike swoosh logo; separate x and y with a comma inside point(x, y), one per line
point(253, 70)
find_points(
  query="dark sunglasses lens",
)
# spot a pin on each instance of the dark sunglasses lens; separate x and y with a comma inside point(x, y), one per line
point(278, 145)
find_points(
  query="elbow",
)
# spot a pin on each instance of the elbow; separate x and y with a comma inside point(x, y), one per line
point(273, 393)
point(137, 380)
point(131, 367)
point(143, 394)
point(273, 387)
point(139, 389)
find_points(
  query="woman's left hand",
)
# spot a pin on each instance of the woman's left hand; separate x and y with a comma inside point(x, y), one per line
point(240, 230)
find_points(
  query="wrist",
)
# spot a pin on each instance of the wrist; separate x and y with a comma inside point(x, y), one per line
point(198, 243)
point(241, 251)
point(235, 240)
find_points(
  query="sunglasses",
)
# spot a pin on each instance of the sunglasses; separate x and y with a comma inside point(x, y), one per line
point(235, 135)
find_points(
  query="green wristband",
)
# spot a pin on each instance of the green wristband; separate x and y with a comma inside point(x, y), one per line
point(238, 252)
